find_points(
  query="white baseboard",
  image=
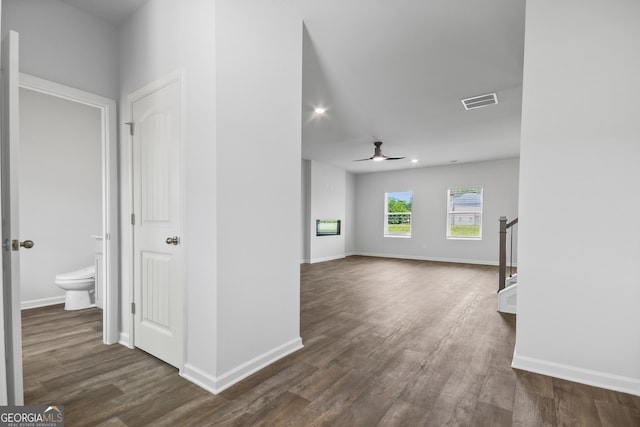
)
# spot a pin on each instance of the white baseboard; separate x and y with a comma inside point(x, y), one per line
point(427, 258)
point(329, 258)
point(403, 256)
point(199, 378)
point(124, 340)
point(217, 384)
point(579, 375)
point(24, 305)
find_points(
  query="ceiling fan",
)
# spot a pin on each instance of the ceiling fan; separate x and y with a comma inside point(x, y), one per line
point(377, 154)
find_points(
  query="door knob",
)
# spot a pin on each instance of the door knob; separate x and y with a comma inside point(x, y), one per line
point(27, 244)
point(173, 240)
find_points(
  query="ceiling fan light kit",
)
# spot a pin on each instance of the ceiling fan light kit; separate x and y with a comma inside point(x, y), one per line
point(378, 156)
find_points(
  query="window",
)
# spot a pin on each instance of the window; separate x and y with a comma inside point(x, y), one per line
point(397, 214)
point(464, 213)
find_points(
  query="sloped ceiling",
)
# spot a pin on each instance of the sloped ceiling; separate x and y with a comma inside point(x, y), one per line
point(395, 71)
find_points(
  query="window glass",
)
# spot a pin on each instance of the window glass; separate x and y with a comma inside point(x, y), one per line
point(464, 213)
point(397, 214)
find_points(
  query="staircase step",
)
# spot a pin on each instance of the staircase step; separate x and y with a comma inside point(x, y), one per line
point(511, 280)
point(507, 299)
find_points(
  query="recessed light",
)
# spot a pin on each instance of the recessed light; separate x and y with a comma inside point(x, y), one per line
point(320, 110)
point(414, 160)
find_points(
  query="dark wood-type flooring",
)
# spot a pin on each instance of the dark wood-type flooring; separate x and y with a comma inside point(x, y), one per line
point(387, 343)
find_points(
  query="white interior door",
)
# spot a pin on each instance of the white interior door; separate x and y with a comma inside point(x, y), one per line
point(157, 223)
point(11, 244)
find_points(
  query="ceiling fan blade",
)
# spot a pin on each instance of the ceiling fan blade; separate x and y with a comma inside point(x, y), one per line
point(377, 154)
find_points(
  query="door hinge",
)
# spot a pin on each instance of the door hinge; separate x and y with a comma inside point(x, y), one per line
point(131, 125)
point(133, 308)
point(133, 219)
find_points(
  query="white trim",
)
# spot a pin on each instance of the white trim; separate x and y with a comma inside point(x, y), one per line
point(426, 258)
point(128, 239)
point(176, 76)
point(43, 302)
point(385, 231)
point(199, 378)
point(61, 91)
point(398, 256)
point(124, 340)
point(580, 375)
point(449, 212)
point(329, 258)
point(110, 230)
point(220, 383)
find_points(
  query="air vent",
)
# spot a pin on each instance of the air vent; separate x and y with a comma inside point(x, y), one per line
point(480, 101)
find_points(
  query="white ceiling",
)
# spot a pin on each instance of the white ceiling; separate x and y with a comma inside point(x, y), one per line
point(395, 71)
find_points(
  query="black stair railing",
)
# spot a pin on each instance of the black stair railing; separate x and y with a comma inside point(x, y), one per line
point(505, 227)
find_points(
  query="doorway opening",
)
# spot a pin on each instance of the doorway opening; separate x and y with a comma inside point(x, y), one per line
point(102, 242)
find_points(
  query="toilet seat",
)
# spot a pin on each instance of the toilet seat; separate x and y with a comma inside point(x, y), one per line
point(77, 276)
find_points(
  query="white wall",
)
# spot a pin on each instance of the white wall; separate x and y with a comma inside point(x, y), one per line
point(160, 38)
point(350, 214)
point(327, 193)
point(60, 191)
point(63, 44)
point(579, 268)
point(235, 316)
point(499, 180)
point(258, 83)
point(328, 201)
point(242, 164)
point(305, 211)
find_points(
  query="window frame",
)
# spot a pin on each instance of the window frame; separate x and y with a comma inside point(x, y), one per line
point(451, 212)
point(386, 232)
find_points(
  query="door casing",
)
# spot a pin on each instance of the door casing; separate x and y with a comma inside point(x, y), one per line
point(107, 108)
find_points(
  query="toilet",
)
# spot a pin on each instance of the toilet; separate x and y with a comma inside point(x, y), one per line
point(79, 285)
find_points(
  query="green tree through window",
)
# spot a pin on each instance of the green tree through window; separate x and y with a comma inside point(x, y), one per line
point(397, 214)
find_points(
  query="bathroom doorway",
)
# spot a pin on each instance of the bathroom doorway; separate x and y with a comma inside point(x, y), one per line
point(68, 193)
